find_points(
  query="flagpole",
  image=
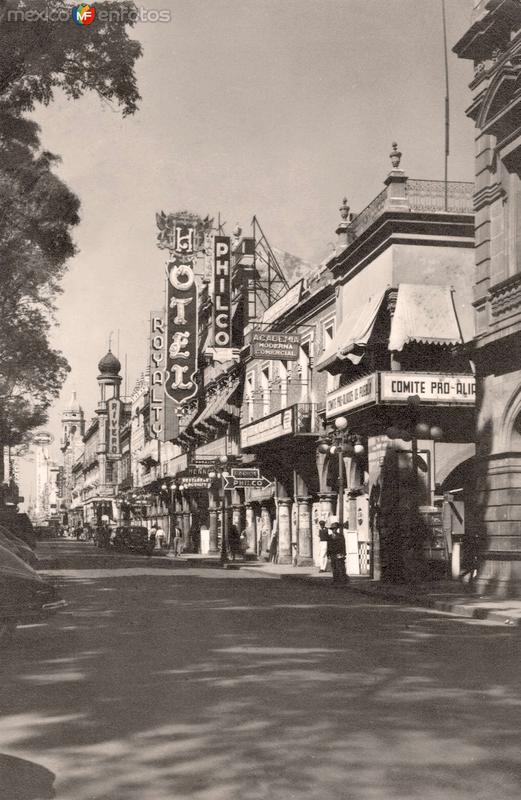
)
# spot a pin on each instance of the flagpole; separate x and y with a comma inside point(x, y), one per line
point(446, 102)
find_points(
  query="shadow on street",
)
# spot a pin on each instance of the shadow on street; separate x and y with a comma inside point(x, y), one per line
point(218, 686)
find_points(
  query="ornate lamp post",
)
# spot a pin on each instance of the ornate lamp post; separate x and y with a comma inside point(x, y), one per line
point(221, 473)
point(341, 442)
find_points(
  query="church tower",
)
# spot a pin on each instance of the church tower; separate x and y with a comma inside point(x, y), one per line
point(73, 430)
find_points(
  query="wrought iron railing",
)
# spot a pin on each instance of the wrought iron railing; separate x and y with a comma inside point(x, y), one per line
point(430, 196)
point(422, 195)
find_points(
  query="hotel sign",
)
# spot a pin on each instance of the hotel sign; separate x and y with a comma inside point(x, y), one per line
point(222, 292)
point(275, 346)
point(114, 422)
point(356, 394)
point(268, 428)
point(430, 387)
point(182, 331)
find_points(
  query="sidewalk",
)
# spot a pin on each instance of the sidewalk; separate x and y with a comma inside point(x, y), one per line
point(448, 596)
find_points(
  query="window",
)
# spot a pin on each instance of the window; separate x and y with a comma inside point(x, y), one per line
point(248, 394)
point(266, 388)
point(328, 332)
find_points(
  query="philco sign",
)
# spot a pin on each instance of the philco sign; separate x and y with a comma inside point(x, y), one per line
point(275, 346)
point(114, 421)
point(222, 318)
point(430, 387)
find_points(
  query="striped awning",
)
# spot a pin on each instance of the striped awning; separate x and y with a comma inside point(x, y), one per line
point(424, 314)
point(352, 336)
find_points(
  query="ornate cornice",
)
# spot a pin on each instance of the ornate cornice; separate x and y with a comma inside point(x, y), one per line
point(505, 297)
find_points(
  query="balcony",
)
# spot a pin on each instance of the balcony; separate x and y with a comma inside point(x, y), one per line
point(421, 196)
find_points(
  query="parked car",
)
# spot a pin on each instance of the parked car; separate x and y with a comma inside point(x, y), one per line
point(133, 538)
point(20, 524)
point(24, 596)
point(19, 548)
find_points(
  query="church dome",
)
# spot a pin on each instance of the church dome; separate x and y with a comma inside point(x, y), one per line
point(109, 364)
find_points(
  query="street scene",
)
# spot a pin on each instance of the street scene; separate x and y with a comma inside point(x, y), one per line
point(260, 400)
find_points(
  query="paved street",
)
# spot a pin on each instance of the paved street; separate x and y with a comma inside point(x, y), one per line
point(182, 682)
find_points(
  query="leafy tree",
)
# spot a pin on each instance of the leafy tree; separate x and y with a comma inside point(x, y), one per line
point(39, 56)
point(37, 210)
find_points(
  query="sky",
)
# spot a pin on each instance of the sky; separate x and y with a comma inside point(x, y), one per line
point(277, 108)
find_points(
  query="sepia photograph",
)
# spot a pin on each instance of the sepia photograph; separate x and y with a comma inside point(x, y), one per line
point(260, 399)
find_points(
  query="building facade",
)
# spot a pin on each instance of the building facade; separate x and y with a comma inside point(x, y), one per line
point(493, 43)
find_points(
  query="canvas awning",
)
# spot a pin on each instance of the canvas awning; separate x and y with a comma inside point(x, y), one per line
point(424, 314)
point(218, 404)
point(352, 336)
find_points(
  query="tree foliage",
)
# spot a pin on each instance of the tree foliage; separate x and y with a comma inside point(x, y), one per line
point(37, 210)
point(39, 55)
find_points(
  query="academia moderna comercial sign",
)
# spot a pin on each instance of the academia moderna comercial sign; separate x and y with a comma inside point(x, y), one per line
point(275, 346)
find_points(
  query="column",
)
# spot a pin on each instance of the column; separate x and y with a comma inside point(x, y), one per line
point(251, 529)
point(214, 515)
point(185, 524)
point(285, 554)
point(305, 532)
point(327, 505)
point(265, 530)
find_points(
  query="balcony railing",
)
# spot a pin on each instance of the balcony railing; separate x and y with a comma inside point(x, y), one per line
point(430, 196)
point(422, 195)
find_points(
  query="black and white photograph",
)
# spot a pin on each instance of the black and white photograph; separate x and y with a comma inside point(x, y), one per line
point(260, 399)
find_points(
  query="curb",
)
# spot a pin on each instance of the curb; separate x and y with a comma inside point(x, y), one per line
point(456, 607)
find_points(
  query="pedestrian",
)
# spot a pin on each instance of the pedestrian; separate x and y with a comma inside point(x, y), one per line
point(78, 532)
point(337, 552)
point(234, 541)
point(178, 541)
point(273, 552)
point(160, 537)
point(323, 536)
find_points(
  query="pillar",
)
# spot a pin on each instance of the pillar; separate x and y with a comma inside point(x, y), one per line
point(305, 532)
point(265, 529)
point(327, 505)
point(213, 512)
point(251, 529)
point(285, 554)
point(185, 523)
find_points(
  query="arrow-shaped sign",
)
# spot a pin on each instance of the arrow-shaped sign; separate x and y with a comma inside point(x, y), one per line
point(230, 482)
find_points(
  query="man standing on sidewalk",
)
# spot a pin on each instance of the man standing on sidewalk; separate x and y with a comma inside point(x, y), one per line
point(323, 536)
point(337, 552)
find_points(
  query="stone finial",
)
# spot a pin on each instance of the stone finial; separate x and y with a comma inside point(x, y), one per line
point(237, 232)
point(395, 156)
point(344, 209)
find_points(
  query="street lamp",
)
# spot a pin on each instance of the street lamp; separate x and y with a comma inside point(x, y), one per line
point(342, 443)
point(222, 474)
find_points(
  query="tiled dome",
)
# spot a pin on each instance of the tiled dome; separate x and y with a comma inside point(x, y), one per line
point(109, 364)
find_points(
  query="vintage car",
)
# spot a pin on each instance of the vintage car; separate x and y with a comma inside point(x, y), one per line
point(24, 596)
point(16, 546)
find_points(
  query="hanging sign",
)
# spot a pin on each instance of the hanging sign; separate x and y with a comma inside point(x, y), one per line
point(182, 331)
point(275, 346)
point(222, 292)
point(163, 419)
point(157, 372)
point(114, 422)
